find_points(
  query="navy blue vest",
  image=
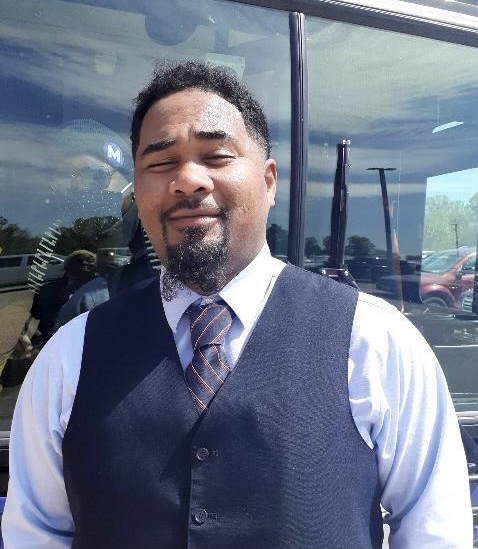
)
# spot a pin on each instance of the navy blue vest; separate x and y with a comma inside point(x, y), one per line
point(276, 462)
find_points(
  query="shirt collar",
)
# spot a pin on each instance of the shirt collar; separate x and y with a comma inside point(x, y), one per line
point(253, 282)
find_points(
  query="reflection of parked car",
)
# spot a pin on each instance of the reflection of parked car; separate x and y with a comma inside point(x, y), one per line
point(112, 257)
point(441, 281)
point(374, 267)
point(14, 269)
point(367, 267)
point(467, 298)
point(467, 301)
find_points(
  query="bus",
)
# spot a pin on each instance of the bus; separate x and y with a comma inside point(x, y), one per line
point(394, 83)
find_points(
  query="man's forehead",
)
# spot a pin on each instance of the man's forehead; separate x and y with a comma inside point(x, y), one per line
point(204, 111)
point(217, 111)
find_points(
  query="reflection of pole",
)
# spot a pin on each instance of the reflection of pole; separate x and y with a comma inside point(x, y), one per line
point(338, 222)
point(386, 208)
point(392, 259)
point(455, 225)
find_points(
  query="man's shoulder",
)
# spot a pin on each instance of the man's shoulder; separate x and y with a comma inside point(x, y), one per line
point(375, 318)
point(303, 280)
point(373, 307)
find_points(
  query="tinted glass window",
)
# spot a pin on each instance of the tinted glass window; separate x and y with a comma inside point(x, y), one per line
point(408, 106)
point(69, 73)
point(10, 261)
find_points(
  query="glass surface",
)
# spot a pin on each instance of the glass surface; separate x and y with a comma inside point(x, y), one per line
point(408, 107)
point(442, 262)
point(69, 71)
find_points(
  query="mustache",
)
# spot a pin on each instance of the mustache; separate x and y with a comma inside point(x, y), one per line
point(193, 204)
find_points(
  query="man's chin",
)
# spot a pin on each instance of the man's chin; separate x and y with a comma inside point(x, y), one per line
point(195, 235)
point(199, 262)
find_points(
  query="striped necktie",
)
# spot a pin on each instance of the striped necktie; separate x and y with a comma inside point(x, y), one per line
point(205, 374)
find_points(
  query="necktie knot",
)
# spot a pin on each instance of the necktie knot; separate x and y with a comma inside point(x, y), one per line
point(210, 324)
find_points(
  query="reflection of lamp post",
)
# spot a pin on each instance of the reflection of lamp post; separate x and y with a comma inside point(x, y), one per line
point(386, 208)
point(455, 225)
point(393, 261)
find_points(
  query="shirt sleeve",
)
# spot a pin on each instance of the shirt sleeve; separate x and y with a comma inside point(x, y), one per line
point(402, 408)
point(37, 514)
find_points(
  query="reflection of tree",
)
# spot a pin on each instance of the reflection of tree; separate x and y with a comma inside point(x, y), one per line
point(277, 238)
point(14, 240)
point(326, 243)
point(473, 205)
point(445, 219)
point(359, 246)
point(311, 246)
point(88, 234)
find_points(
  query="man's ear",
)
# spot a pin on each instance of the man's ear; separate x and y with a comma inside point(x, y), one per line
point(270, 178)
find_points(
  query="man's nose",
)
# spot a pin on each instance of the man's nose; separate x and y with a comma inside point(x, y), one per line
point(191, 178)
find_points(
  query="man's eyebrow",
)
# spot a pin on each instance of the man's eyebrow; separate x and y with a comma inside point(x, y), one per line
point(214, 135)
point(158, 146)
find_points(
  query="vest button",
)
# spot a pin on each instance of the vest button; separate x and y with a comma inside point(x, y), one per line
point(200, 516)
point(202, 454)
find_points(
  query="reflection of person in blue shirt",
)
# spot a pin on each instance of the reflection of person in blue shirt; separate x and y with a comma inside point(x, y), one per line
point(90, 295)
point(111, 280)
point(79, 269)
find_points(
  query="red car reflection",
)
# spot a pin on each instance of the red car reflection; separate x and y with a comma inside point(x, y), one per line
point(441, 281)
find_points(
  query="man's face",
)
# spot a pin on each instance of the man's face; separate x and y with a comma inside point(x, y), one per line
point(202, 183)
point(85, 186)
point(85, 172)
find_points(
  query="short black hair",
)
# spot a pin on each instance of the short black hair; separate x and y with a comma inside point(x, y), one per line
point(171, 78)
point(80, 261)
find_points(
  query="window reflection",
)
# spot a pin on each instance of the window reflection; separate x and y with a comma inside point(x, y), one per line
point(69, 230)
point(407, 106)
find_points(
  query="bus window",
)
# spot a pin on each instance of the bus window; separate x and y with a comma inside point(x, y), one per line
point(69, 73)
point(407, 105)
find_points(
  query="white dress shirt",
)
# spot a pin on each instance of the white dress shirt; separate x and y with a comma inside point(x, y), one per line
point(398, 398)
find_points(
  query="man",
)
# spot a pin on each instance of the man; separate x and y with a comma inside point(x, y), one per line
point(247, 404)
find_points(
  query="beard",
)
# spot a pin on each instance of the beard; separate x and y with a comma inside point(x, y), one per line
point(196, 262)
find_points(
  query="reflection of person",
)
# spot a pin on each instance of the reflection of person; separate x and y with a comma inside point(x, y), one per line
point(334, 403)
point(93, 168)
point(113, 278)
point(85, 298)
point(79, 268)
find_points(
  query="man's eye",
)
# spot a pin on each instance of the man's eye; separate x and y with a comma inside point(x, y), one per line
point(219, 158)
point(162, 165)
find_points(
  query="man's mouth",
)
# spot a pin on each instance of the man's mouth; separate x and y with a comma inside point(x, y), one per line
point(193, 218)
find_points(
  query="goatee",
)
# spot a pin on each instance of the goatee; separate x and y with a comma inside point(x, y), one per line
point(196, 263)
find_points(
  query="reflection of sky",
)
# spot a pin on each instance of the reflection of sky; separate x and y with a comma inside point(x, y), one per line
point(66, 60)
point(103, 56)
point(457, 186)
point(385, 92)
point(382, 75)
